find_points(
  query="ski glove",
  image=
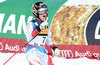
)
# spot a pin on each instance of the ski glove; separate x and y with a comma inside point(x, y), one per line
point(56, 51)
point(42, 26)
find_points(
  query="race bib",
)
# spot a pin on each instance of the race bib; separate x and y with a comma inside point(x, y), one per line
point(40, 40)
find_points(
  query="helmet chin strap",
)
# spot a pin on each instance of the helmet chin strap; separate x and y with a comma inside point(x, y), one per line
point(38, 18)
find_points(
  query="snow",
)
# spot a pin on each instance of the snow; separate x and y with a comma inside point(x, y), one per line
point(20, 59)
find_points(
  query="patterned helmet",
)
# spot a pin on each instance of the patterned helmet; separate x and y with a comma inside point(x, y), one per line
point(39, 8)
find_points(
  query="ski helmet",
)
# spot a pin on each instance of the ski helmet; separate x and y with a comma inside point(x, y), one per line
point(39, 8)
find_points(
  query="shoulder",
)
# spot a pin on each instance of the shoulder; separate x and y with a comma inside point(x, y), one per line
point(31, 24)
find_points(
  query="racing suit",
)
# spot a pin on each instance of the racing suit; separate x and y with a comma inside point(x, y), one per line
point(36, 53)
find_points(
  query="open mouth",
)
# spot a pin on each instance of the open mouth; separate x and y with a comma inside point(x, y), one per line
point(44, 16)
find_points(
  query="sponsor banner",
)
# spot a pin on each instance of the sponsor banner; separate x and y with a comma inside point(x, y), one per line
point(76, 25)
point(66, 51)
point(14, 16)
point(11, 45)
point(77, 51)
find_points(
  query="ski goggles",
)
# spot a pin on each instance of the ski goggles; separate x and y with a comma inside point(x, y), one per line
point(42, 11)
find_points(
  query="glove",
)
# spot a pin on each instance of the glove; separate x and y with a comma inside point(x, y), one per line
point(43, 26)
point(56, 51)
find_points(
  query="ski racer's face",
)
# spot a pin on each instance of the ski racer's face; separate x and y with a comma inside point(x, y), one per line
point(43, 16)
